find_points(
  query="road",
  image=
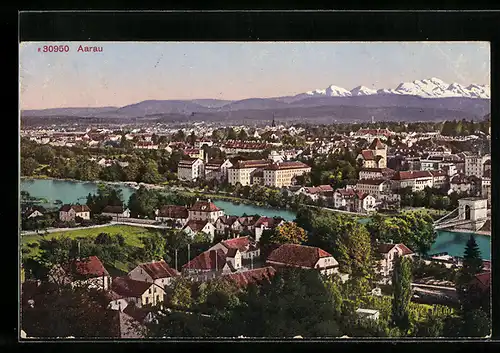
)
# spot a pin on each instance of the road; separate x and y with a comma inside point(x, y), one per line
point(124, 221)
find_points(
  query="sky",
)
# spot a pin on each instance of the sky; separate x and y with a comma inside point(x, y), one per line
point(130, 72)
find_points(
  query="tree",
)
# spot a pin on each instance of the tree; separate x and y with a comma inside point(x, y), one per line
point(149, 172)
point(476, 323)
point(401, 286)
point(231, 134)
point(65, 312)
point(287, 233)
point(192, 138)
point(242, 135)
point(181, 293)
point(154, 247)
point(143, 202)
point(28, 166)
point(471, 266)
point(354, 251)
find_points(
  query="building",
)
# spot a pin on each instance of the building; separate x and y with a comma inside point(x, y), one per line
point(463, 184)
point(376, 187)
point(474, 164)
point(247, 247)
point(252, 276)
point(192, 227)
point(281, 174)
point(301, 256)
point(69, 213)
point(157, 272)
point(88, 272)
point(116, 211)
point(264, 223)
point(375, 156)
point(213, 263)
point(215, 169)
point(486, 186)
point(368, 314)
point(205, 211)
point(126, 291)
point(365, 202)
point(376, 173)
point(173, 214)
point(388, 252)
point(439, 179)
point(416, 180)
point(190, 169)
point(242, 170)
point(316, 192)
point(195, 153)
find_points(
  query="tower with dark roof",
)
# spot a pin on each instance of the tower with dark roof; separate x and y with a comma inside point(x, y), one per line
point(273, 124)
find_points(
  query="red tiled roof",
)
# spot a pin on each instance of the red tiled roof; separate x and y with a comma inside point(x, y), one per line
point(89, 267)
point(483, 279)
point(287, 165)
point(159, 269)
point(232, 252)
point(269, 222)
point(173, 211)
point(76, 208)
point(371, 181)
point(113, 209)
point(385, 248)
point(204, 206)
point(367, 155)
point(411, 175)
point(297, 255)
point(245, 278)
point(319, 189)
point(126, 287)
point(251, 164)
point(207, 261)
point(187, 162)
point(196, 225)
point(240, 243)
point(437, 173)
point(376, 144)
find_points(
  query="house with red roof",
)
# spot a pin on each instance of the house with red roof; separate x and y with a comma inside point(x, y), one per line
point(316, 192)
point(481, 282)
point(389, 252)
point(89, 272)
point(254, 276)
point(205, 211)
point(416, 180)
point(301, 256)
point(247, 246)
point(213, 263)
point(173, 214)
point(264, 223)
point(69, 213)
point(192, 227)
point(375, 156)
point(125, 291)
point(157, 272)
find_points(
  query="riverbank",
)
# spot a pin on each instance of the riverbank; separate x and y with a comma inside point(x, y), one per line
point(469, 231)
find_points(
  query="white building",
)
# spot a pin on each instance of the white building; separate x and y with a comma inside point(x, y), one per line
point(190, 169)
point(157, 272)
point(281, 174)
point(242, 170)
point(474, 165)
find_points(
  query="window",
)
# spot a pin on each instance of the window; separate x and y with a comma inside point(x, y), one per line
point(147, 300)
point(149, 291)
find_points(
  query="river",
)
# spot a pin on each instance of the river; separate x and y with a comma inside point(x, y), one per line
point(73, 191)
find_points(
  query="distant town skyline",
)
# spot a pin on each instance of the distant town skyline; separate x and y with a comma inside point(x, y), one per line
point(127, 73)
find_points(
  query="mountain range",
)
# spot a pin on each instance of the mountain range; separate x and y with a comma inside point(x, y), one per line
point(427, 99)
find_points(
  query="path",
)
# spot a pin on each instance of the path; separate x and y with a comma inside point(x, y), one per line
point(135, 222)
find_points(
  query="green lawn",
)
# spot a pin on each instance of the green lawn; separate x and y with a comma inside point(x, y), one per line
point(131, 234)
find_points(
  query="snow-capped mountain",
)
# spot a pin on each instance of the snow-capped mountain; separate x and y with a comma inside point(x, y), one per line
point(331, 91)
point(363, 91)
point(427, 88)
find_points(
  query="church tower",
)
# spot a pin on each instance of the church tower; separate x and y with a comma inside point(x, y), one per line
point(273, 124)
point(379, 149)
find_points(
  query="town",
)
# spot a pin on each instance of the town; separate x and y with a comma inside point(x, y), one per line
point(370, 202)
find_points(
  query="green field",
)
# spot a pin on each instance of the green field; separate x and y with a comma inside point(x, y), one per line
point(131, 234)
